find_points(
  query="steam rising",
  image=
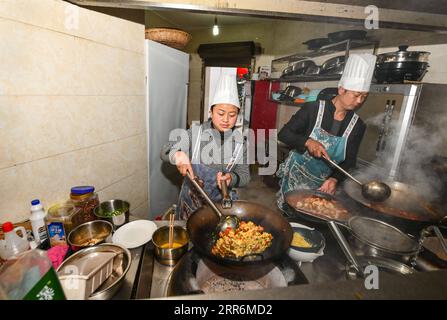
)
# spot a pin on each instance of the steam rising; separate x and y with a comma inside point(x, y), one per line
point(423, 143)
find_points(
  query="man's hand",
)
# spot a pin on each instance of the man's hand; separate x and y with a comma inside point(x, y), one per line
point(315, 148)
point(223, 178)
point(329, 186)
point(183, 164)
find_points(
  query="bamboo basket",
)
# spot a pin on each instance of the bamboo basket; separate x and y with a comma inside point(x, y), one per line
point(174, 38)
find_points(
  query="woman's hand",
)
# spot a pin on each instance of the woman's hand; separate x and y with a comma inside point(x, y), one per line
point(183, 164)
point(329, 186)
point(315, 148)
point(223, 177)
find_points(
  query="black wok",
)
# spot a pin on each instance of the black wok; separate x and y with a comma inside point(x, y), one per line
point(201, 227)
point(292, 197)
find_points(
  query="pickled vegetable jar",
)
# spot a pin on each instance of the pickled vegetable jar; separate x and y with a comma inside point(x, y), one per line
point(85, 198)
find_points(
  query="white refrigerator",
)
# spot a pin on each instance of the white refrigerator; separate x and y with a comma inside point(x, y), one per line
point(167, 74)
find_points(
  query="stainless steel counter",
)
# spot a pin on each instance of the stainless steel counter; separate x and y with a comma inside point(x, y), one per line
point(326, 275)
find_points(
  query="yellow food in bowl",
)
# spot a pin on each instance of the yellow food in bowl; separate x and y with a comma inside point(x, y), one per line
point(299, 241)
point(175, 245)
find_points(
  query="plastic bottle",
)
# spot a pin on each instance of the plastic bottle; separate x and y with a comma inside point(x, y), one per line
point(13, 243)
point(30, 277)
point(38, 221)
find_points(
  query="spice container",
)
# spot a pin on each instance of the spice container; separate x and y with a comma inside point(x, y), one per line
point(85, 198)
point(60, 220)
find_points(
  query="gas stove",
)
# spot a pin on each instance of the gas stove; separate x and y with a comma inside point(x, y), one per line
point(197, 275)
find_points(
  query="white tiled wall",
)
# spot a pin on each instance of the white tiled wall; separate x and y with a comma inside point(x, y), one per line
point(72, 106)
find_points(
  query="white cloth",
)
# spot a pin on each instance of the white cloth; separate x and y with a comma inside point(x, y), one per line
point(358, 72)
point(226, 91)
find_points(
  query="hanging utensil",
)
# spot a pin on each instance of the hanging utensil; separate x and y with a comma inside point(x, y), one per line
point(374, 190)
point(228, 221)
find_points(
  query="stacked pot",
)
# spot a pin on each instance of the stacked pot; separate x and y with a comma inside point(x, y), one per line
point(396, 67)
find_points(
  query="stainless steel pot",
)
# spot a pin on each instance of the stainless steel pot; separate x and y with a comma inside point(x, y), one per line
point(402, 55)
point(164, 254)
point(378, 239)
point(333, 66)
point(300, 67)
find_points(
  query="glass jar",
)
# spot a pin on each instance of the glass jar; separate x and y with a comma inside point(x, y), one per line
point(60, 220)
point(84, 198)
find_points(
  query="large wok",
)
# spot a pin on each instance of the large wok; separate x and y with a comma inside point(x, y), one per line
point(292, 197)
point(404, 202)
point(201, 227)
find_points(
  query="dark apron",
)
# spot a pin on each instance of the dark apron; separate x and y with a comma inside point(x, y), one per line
point(190, 199)
point(303, 171)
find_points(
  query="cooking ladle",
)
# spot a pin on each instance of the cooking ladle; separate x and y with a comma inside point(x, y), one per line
point(229, 221)
point(374, 190)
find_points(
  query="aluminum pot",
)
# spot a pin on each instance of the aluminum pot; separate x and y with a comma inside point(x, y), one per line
point(372, 237)
point(164, 254)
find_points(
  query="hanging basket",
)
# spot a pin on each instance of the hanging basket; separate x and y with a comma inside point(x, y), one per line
point(174, 38)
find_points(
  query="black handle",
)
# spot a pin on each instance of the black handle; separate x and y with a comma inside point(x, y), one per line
point(403, 47)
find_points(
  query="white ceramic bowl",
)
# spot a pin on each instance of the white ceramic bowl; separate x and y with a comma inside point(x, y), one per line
point(307, 255)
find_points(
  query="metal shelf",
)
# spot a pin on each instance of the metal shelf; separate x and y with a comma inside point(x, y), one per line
point(287, 103)
point(313, 78)
point(328, 49)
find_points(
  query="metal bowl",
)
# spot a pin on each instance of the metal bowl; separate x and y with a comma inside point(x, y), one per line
point(121, 265)
point(164, 254)
point(105, 210)
point(90, 234)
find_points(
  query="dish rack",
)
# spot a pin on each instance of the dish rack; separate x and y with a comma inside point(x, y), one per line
point(80, 280)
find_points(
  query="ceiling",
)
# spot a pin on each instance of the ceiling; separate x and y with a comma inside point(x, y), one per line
point(427, 6)
point(190, 21)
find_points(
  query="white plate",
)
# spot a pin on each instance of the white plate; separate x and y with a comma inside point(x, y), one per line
point(134, 234)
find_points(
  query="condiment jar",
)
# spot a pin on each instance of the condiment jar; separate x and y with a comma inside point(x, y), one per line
point(60, 220)
point(84, 198)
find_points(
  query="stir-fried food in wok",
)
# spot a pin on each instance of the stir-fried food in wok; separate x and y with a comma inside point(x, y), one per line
point(247, 239)
point(323, 207)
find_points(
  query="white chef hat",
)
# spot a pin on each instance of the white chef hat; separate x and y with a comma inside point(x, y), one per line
point(358, 72)
point(226, 91)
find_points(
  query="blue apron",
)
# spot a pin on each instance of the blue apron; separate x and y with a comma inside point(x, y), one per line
point(190, 199)
point(303, 171)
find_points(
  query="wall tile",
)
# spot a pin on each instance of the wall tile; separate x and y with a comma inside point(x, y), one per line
point(50, 179)
point(42, 62)
point(49, 125)
point(132, 189)
point(142, 211)
point(107, 71)
point(64, 17)
point(36, 61)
